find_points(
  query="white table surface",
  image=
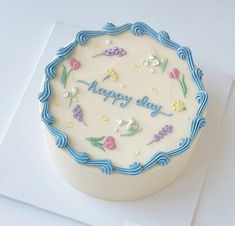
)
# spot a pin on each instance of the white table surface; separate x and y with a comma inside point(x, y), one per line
point(206, 26)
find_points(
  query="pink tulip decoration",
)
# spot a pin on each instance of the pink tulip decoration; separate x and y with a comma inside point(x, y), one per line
point(175, 74)
point(109, 143)
point(74, 64)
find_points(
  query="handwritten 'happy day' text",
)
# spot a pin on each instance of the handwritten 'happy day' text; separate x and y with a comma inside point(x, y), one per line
point(125, 99)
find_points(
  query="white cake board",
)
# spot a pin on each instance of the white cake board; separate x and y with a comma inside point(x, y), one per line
point(26, 174)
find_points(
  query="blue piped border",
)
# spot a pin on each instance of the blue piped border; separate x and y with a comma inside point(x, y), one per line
point(159, 158)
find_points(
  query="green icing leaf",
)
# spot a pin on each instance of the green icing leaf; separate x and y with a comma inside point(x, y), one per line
point(95, 138)
point(183, 85)
point(95, 142)
point(98, 145)
point(132, 132)
point(63, 77)
point(163, 65)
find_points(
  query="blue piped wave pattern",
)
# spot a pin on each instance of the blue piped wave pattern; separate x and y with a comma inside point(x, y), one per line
point(106, 166)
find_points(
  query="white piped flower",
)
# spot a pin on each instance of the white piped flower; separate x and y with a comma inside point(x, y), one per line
point(119, 121)
point(145, 63)
point(75, 99)
point(152, 70)
point(155, 62)
point(74, 90)
point(129, 126)
point(65, 94)
point(108, 41)
point(152, 56)
point(132, 120)
point(116, 130)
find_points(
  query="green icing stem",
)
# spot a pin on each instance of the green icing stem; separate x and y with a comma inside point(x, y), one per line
point(132, 132)
point(84, 123)
point(151, 142)
point(183, 85)
point(163, 65)
point(99, 54)
point(71, 98)
point(95, 142)
point(106, 77)
point(64, 76)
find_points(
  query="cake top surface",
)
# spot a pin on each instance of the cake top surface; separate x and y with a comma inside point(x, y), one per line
point(123, 98)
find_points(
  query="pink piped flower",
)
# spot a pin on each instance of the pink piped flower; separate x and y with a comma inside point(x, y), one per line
point(174, 73)
point(109, 143)
point(75, 64)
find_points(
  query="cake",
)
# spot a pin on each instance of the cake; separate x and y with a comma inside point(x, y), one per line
point(122, 108)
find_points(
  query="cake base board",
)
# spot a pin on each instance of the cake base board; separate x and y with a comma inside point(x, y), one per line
point(26, 173)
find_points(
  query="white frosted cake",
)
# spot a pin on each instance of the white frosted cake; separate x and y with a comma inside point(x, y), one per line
point(122, 108)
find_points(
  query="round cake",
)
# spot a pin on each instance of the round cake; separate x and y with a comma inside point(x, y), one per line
point(122, 108)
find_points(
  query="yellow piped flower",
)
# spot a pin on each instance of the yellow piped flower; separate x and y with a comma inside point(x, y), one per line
point(111, 74)
point(178, 105)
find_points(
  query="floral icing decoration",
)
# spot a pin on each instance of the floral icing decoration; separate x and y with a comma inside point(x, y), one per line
point(174, 74)
point(132, 126)
point(108, 142)
point(116, 51)
point(108, 41)
point(111, 74)
point(178, 105)
point(74, 64)
point(154, 62)
point(163, 132)
point(104, 118)
point(71, 95)
point(136, 153)
point(69, 124)
point(78, 114)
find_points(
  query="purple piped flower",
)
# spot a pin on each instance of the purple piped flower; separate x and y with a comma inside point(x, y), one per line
point(160, 135)
point(157, 138)
point(78, 114)
point(116, 51)
point(169, 128)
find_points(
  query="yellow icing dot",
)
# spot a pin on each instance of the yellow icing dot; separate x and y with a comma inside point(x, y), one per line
point(104, 118)
point(136, 153)
point(57, 103)
point(137, 65)
point(154, 90)
point(69, 124)
point(97, 45)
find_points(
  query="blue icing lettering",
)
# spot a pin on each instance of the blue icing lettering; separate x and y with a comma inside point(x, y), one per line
point(92, 87)
point(116, 96)
point(143, 102)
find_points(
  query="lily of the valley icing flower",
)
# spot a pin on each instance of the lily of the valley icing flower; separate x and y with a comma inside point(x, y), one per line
point(74, 64)
point(119, 121)
point(154, 62)
point(178, 105)
point(131, 123)
point(71, 95)
point(111, 74)
point(174, 74)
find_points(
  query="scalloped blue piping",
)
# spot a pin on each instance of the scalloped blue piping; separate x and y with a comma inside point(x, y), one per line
point(159, 158)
